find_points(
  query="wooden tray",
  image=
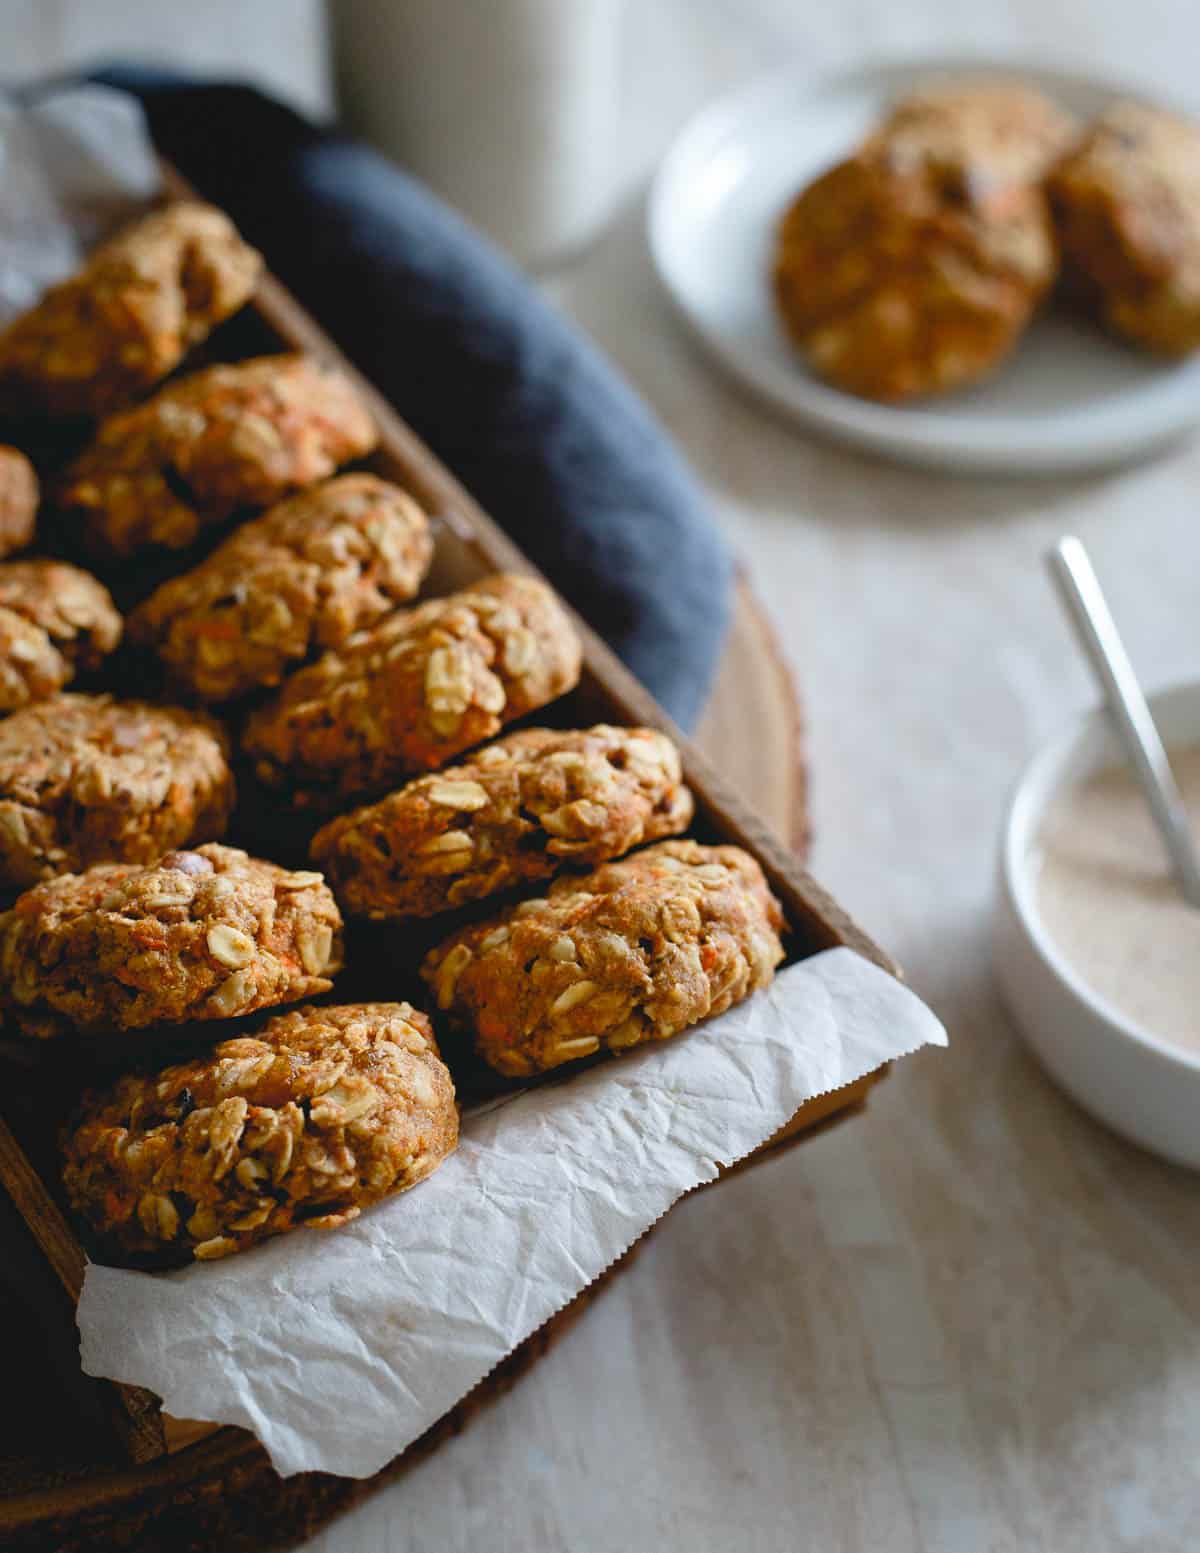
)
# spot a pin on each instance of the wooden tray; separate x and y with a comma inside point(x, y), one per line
point(122, 1472)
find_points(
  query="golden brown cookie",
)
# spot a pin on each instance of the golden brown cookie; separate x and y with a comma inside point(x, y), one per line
point(1127, 207)
point(514, 813)
point(991, 128)
point(301, 1125)
point(19, 496)
point(215, 443)
point(143, 299)
point(892, 288)
point(86, 779)
point(204, 934)
point(912, 267)
point(412, 692)
point(304, 576)
point(55, 621)
point(636, 951)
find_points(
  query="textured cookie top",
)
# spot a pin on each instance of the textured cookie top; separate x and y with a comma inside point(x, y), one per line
point(85, 779)
point(306, 575)
point(19, 497)
point(322, 1112)
point(70, 605)
point(993, 129)
point(1140, 153)
point(638, 950)
point(204, 934)
point(227, 438)
point(516, 811)
point(107, 335)
point(55, 620)
point(896, 281)
point(415, 690)
point(1128, 206)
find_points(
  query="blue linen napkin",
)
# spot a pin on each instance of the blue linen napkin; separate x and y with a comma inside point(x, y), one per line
point(525, 411)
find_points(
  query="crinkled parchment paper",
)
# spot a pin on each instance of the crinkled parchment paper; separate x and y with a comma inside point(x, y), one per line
point(74, 164)
point(339, 1348)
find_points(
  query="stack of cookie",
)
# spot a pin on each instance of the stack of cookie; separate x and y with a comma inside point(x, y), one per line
point(299, 672)
point(915, 265)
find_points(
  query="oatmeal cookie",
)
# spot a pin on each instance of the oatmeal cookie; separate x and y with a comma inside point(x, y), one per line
point(215, 443)
point(106, 336)
point(913, 266)
point(1127, 205)
point(204, 934)
point(87, 779)
point(55, 621)
point(321, 1113)
point(19, 496)
point(893, 286)
point(514, 813)
point(414, 691)
point(991, 129)
point(307, 574)
point(636, 951)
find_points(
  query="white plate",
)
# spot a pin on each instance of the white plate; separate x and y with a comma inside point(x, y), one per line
point(1067, 399)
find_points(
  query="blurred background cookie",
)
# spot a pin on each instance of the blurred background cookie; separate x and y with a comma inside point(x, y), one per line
point(106, 336)
point(988, 128)
point(1127, 208)
point(913, 266)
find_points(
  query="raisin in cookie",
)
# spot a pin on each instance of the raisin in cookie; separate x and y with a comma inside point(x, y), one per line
point(1127, 205)
point(88, 779)
point(204, 934)
point(516, 812)
point(55, 621)
point(321, 1113)
point(304, 576)
point(106, 336)
point(636, 951)
point(19, 496)
point(414, 691)
point(219, 441)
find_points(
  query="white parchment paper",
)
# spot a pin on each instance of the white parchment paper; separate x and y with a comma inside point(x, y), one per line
point(339, 1348)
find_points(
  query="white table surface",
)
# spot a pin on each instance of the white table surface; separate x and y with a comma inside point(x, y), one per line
point(968, 1321)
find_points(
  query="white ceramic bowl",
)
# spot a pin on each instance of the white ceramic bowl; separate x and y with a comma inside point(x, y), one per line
point(1143, 1087)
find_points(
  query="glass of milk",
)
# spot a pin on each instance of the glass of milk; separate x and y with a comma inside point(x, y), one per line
point(509, 109)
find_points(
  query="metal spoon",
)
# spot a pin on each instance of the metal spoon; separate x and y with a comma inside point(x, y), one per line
point(1085, 604)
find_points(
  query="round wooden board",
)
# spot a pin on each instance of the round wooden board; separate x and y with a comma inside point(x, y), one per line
point(221, 1491)
point(752, 729)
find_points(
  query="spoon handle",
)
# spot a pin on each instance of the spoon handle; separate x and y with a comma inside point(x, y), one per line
point(1089, 613)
